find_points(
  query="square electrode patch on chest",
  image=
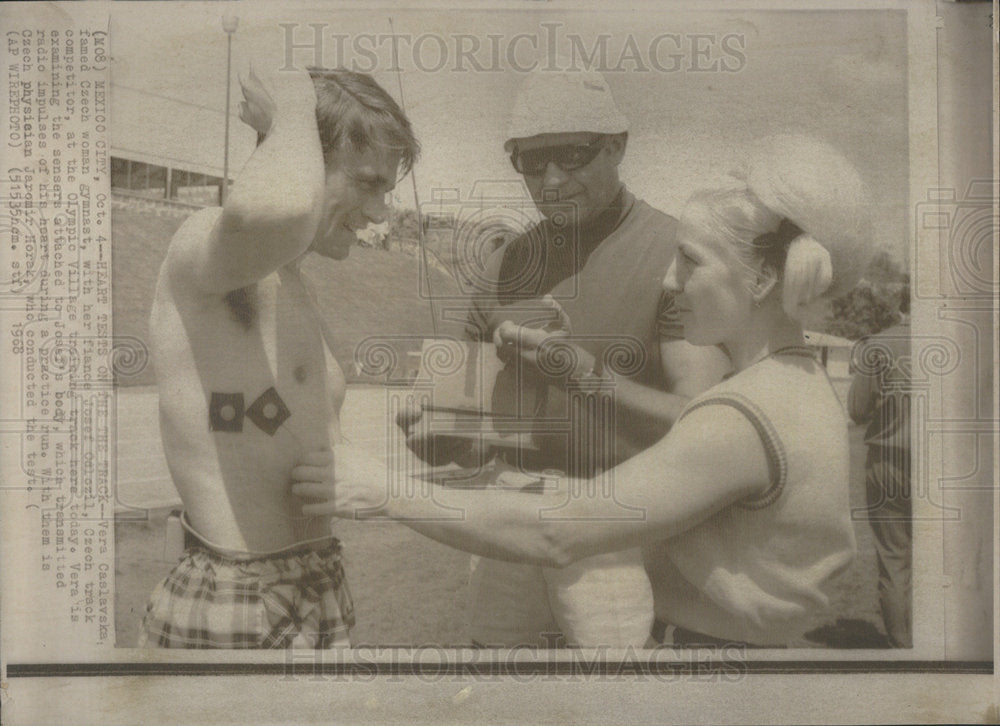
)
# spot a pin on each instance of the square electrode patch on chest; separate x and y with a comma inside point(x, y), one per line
point(268, 411)
point(225, 412)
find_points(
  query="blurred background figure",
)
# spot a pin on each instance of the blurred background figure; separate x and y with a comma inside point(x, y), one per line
point(880, 397)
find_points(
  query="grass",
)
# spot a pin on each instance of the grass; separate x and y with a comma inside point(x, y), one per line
point(138, 245)
point(372, 292)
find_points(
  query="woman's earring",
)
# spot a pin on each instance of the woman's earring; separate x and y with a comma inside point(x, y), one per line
point(763, 285)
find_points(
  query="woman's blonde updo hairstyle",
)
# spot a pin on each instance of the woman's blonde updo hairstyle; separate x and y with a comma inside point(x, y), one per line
point(797, 205)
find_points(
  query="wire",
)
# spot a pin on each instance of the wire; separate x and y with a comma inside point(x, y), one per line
point(169, 98)
point(416, 198)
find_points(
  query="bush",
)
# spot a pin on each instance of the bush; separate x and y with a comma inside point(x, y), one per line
point(874, 304)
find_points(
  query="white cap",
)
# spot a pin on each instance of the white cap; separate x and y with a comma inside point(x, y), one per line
point(564, 101)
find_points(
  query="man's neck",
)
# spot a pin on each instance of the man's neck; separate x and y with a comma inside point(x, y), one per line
point(596, 228)
point(604, 222)
point(561, 260)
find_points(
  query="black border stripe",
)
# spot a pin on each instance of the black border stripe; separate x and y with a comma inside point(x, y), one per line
point(635, 667)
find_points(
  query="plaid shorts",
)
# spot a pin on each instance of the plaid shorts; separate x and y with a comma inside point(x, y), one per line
point(294, 599)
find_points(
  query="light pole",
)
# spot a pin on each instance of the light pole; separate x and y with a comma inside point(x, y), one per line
point(229, 24)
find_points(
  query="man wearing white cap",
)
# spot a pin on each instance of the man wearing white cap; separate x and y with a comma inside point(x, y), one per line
point(593, 269)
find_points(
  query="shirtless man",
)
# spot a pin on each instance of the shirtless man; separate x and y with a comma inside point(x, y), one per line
point(248, 387)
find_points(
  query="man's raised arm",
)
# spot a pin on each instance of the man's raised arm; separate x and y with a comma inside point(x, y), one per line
point(272, 214)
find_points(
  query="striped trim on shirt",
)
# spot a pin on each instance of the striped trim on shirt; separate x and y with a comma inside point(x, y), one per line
point(777, 461)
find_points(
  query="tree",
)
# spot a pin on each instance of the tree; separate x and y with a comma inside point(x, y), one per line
point(404, 226)
point(874, 304)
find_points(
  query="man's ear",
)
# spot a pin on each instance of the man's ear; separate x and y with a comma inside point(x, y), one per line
point(765, 280)
point(616, 147)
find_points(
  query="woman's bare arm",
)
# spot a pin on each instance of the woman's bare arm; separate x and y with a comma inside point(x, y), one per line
point(712, 458)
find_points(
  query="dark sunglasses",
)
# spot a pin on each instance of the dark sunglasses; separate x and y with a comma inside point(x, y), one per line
point(569, 157)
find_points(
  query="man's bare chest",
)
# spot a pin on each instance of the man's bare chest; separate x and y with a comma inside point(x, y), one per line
point(268, 364)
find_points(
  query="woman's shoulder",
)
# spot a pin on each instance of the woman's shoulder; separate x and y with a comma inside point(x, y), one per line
point(793, 369)
point(796, 382)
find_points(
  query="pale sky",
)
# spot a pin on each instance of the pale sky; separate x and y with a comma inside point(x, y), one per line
point(841, 75)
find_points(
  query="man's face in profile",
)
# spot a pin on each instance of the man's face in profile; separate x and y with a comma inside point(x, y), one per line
point(357, 184)
point(579, 168)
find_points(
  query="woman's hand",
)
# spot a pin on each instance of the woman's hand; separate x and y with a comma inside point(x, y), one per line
point(346, 482)
point(268, 96)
